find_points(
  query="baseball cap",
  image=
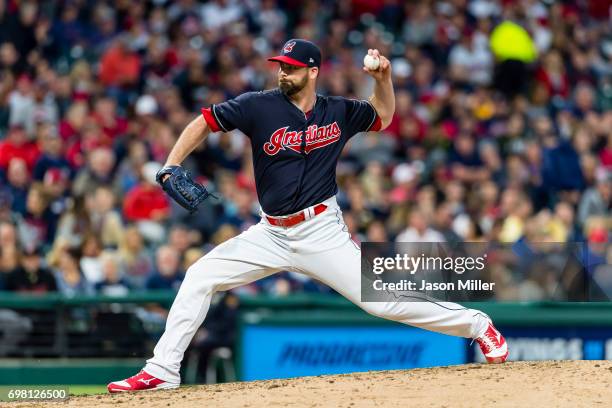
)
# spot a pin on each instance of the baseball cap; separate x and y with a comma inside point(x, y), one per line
point(301, 53)
point(146, 105)
point(149, 171)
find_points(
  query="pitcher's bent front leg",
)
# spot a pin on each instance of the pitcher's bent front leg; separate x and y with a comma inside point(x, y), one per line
point(241, 260)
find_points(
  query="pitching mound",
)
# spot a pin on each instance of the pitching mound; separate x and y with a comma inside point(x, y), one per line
point(516, 384)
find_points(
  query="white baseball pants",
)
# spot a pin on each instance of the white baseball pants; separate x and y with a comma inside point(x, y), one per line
point(319, 247)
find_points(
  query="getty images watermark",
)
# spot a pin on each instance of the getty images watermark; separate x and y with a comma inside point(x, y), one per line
point(521, 271)
point(423, 264)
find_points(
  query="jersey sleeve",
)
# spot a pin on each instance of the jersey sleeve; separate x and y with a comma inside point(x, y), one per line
point(230, 115)
point(361, 117)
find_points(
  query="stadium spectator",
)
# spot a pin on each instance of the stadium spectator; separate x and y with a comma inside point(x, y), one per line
point(223, 233)
point(168, 274)
point(136, 258)
point(68, 30)
point(565, 217)
point(120, 67)
point(516, 209)
point(60, 245)
point(466, 163)
point(242, 213)
point(70, 279)
point(31, 276)
point(376, 232)
point(17, 145)
point(470, 63)
point(597, 200)
point(552, 75)
point(147, 205)
point(404, 178)
point(52, 154)
point(129, 169)
point(220, 13)
point(73, 121)
point(56, 186)
point(17, 184)
point(38, 225)
point(75, 222)
point(105, 115)
point(112, 283)
point(561, 172)
point(21, 104)
point(420, 27)
point(419, 230)
point(98, 172)
point(90, 138)
point(191, 256)
point(444, 224)
point(180, 238)
point(105, 220)
point(90, 261)
point(513, 48)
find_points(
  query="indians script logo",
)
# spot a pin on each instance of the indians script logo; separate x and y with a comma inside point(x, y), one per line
point(289, 47)
point(316, 137)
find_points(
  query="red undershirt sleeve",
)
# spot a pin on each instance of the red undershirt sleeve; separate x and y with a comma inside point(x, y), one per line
point(210, 120)
point(377, 125)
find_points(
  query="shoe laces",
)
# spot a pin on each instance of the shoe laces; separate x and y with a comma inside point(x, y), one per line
point(138, 374)
point(488, 340)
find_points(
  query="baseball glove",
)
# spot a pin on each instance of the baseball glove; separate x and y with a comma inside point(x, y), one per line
point(181, 187)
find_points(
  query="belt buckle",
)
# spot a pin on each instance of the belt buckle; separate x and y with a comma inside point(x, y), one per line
point(283, 221)
point(279, 221)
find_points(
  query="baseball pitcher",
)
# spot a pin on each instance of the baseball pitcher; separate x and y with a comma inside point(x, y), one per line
point(297, 137)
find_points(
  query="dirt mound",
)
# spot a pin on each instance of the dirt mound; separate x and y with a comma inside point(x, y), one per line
point(515, 384)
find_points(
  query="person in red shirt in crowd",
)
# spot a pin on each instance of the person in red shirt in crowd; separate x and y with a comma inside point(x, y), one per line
point(16, 145)
point(120, 66)
point(147, 204)
point(74, 120)
point(553, 76)
point(105, 115)
point(92, 138)
point(146, 201)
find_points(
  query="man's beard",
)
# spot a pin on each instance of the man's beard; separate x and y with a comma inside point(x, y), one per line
point(290, 89)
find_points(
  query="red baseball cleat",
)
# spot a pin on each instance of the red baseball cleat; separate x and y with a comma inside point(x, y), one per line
point(140, 382)
point(493, 345)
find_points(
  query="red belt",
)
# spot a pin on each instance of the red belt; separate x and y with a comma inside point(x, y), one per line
point(294, 219)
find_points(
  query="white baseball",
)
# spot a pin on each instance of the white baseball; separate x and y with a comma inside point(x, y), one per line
point(371, 62)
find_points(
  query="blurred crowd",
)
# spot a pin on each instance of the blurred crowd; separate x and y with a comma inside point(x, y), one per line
point(502, 131)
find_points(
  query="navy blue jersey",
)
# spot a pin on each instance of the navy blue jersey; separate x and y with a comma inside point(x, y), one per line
point(294, 154)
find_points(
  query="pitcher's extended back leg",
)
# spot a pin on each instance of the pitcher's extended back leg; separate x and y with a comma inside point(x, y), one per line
point(340, 268)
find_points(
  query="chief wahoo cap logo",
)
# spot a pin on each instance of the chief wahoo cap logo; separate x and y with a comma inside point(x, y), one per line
point(289, 47)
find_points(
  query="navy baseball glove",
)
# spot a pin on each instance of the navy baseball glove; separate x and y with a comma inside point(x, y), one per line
point(181, 187)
